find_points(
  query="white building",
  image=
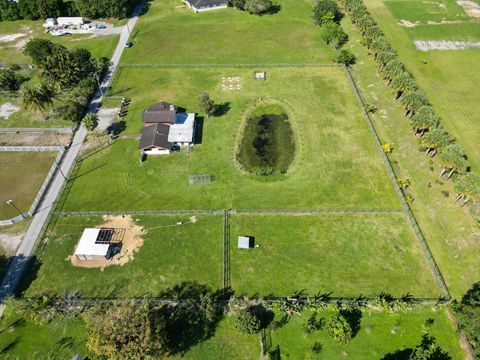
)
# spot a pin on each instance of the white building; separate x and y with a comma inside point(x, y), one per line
point(205, 5)
point(70, 21)
point(95, 244)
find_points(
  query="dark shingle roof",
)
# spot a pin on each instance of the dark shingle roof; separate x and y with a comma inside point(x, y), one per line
point(199, 4)
point(162, 112)
point(155, 136)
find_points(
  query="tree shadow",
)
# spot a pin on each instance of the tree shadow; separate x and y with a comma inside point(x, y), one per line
point(117, 127)
point(18, 275)
point(120, 92)
point(10, 346)
point(275, 8)
point(30, 274)
point(265, 315)
point(354, 318)
point(199, 129)
point(399, 355)
point(222, 109)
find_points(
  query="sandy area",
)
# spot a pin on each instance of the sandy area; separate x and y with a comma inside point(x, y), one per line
point(470, 7)
point(10, 242)
point(11, 37)
point(33, 139)
point(106, 117)
point(132, 241)
point(427, 45)
point(406, 23)
point(7, 110)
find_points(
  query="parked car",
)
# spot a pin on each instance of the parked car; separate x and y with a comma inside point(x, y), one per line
point(100, 26)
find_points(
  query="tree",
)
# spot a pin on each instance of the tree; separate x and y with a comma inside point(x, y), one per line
point(258, 7)
point(413, 101)
point(248, 322)
point(392, 69)
point(467, 187)
point(37, 97)
point(402, 83)
point(333, 33)
point(131, 331)
point(452, 158)
point(423, 120)
point(239, 4)
point(39, 50)
point(207, 104)
point(8, 80)
point(468, 315)
point(435, 139)
point(429, 350)
point(338, 329)
point(9, 10)
point(326, 10)
point(346, 57)
point(90, 121)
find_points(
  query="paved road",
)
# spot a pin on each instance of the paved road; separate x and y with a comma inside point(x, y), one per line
point(24, 252)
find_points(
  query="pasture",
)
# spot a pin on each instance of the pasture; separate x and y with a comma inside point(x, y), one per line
point(346, 254)
point(21, 176)
point(227, 36)
point(336, 164)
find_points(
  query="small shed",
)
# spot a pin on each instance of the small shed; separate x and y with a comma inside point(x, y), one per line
point(260, 75)
point(50, 23)
point(95, 244)
point(246, 242)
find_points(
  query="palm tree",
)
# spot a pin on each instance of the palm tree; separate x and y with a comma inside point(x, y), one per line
point(384, 57)
point(392, 69)
point(402, 83)
point(467, 186)
point(413, 101)
point(423, 120)
point(435, 139)
point(452, 158)
point(37, 98)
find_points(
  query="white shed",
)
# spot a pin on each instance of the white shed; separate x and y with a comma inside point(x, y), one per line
point(69, 21)
point(50, 23)
point(94, 244)
point(245, 242)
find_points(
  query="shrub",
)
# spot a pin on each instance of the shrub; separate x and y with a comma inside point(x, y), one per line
point(338, 329)
point(248, 322)
point(332, 33)
point(346, 57)
point(258, 7)
point(8, 80)
point(90, 121)
point(326, 10)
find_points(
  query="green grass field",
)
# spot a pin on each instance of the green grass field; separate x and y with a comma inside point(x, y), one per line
point(334, 150)
point(348, 255)
point(21, 176)
point(449, 229)
point(424, 11)
point(173, 34)
point(380, 333)
point(170, 255)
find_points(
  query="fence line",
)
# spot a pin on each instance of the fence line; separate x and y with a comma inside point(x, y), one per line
point(30, 148)
point(43, 189)
point(273, 65)
point(406, 207)
point(64, 130)
point(226, 251)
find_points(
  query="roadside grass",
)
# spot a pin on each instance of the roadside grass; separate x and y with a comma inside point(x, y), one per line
point(227, 36)
point(21, 176)
point(346, 254)
point(449, 78)
point(171, 254)
point(449, 229)
point(424, 11)
point(380, 333)
point(336, 163)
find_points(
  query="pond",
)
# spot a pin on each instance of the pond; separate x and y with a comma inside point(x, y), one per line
point(267, 147)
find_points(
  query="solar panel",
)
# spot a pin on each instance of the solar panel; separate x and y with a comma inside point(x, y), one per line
point(104, 236)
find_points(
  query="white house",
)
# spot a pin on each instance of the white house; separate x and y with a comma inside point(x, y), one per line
point(205, 5)
point(70, 21)
point(95, 244)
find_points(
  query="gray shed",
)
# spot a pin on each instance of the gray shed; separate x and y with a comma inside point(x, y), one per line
point(245, 242)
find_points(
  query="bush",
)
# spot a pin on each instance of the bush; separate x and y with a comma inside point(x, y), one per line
point(326, 10)
point(258, 7)
point(332, 33)
point(346, 57)
point(90, 121)
point(8, 80)
point(248, 322)
point(338, 329)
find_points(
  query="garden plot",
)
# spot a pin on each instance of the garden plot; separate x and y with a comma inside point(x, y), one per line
point(231, 83)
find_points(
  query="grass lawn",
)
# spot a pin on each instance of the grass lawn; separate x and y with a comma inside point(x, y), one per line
point(170, 255)
point(169, 33)
point(21, 176)
point(424, 11)
point(380, 333)
point(449, 78)
point(348, 255)
point(449, 229)
point(336, 163)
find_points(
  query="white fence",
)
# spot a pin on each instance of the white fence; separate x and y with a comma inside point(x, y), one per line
point(45, 184)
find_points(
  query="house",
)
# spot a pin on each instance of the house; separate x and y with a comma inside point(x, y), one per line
point(246, 242)
point(205, 5)
point(96, 244)
point(70, 21)
point(165, 129)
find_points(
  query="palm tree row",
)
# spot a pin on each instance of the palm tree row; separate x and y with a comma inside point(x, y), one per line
point(418, 110)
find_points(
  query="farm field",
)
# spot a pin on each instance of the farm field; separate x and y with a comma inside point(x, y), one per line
point(346, 254)
point(448, 77)
point(21, 176)
point(227, 36)
point(380, 333)
point(170, 255)
point(449, 229)
point(334, 148)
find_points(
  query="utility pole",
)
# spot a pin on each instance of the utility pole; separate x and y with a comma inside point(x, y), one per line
point(10, 202)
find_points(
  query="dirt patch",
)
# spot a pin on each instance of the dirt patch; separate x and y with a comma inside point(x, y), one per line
point(106, 117)
point(428, 45)
point(11, 37)
point(7, 110)
point(33, 139)
point(10, 242)
point(131, 243)
point(471, 8)
point(407, 23)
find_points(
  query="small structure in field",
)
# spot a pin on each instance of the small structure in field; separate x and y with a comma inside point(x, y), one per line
point(199, 179)
point(205, 5)
point(70, 21)
point(96, 244)
point(246, 242)
point(260, 75)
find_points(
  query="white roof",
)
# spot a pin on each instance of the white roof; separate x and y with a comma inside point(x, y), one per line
point(244, 242)
point(182, 130)
point(69, 20)
point(86, 245)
